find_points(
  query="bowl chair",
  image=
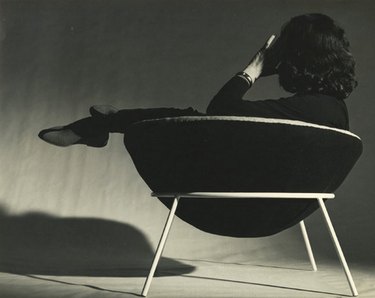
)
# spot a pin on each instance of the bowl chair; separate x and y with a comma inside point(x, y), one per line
point(250, 161)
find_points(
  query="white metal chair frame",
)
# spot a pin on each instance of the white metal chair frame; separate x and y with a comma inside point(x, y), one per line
point(248, 195)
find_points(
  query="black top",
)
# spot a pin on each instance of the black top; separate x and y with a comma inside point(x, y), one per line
point(310, 107)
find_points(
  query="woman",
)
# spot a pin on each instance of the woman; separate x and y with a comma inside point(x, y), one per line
point(311, 58)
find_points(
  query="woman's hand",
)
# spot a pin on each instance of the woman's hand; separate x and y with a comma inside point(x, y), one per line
point(256, 67)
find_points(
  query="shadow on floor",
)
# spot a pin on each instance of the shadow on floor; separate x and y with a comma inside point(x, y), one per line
point(90, 286)
point(302, 290)
point(37, 243)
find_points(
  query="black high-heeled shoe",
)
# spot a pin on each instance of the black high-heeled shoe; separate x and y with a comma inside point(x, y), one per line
point(102, 111)
point(63, 136)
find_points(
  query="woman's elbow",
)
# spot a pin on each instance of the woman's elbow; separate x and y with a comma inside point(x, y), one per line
point(217, 107)
point(213, 107)
point(210, 109)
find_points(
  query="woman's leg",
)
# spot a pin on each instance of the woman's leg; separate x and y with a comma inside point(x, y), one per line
point(120, 121)
point(93, 131)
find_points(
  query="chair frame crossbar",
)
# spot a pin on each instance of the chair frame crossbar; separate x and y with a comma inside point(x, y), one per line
point(320, 197)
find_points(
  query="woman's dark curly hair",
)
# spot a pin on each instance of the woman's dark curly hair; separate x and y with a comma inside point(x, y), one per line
point(315, 57)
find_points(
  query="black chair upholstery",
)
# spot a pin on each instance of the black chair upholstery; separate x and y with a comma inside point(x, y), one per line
point(241, 154)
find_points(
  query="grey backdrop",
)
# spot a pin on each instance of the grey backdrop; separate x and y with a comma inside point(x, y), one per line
point(84, 210)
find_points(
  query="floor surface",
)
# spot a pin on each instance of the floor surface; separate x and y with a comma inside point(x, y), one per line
point(209, 279)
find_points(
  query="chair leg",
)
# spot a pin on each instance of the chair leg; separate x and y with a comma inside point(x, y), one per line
point(338, 247)
point(160, 248)
point(308, 246)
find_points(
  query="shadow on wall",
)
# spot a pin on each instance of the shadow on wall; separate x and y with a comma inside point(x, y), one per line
point(37, 243)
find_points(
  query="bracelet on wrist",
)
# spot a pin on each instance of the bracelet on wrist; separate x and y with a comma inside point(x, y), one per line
point(247, 77)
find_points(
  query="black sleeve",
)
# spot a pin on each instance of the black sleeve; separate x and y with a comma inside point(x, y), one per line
point(229, 101)
point(231, 93)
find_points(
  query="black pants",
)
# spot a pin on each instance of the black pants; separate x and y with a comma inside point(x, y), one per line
point(120, 121)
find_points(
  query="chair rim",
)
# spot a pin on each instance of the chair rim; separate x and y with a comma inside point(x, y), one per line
point(245, 195)
point(250, 119)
